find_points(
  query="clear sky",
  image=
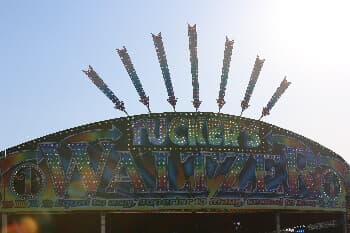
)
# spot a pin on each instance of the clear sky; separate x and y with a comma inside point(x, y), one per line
point(45, 44)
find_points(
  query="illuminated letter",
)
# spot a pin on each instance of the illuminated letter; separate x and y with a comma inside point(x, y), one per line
point(162, 180)
point(79, 161)
point(200, 182)
point(214, 132)
point(304, 173)
point(195, 132)
point(260, 172)
point(138, 128)
point(231, 181)
point(175, 126)
point(199, 173)
point(157, 137)
point(292, 170)
point(126, 163)
point(249, 135)
point(231, 132)
point(254, 138)
point(275, 181)
point(332, 185)
point(307, 172)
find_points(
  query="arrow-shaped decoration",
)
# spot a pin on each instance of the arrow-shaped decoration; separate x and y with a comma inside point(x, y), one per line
point(124, 56)
point(95, 78)
point(113, 134)
point(158, 44)
point(225, 70)
point(278, 93)
point(253, 79)
point(192, 36)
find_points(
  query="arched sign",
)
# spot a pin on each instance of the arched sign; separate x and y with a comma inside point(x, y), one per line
point(172, 161)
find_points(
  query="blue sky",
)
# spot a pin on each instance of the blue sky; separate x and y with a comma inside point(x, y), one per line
point(45, 44)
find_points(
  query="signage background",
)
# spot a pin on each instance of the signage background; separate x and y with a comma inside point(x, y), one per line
point(164, 164)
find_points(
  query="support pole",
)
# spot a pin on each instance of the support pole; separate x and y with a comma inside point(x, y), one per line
point(4, 222)
point(278, 223)
point(345, 223)
point(103, 223)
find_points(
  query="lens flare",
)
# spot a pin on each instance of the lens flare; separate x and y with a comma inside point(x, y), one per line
point(28, 225)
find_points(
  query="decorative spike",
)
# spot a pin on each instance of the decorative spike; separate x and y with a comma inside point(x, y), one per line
point(192, 36)
point(278, 93)
point(253, 79)
point(95, 78)
point(124, 56)
point(225, 70)
point(158, 44)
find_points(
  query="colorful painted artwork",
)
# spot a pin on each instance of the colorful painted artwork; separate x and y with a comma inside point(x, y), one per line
point(171, 162)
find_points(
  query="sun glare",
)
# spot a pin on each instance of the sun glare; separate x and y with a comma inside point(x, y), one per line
point(319, 26)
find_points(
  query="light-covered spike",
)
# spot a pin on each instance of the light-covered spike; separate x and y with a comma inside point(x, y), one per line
point(124, 56)
point(225, 70)
point(192, 36)
point(95, 78)
point(158, 44)
point(253, 79)
point(278, 93)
